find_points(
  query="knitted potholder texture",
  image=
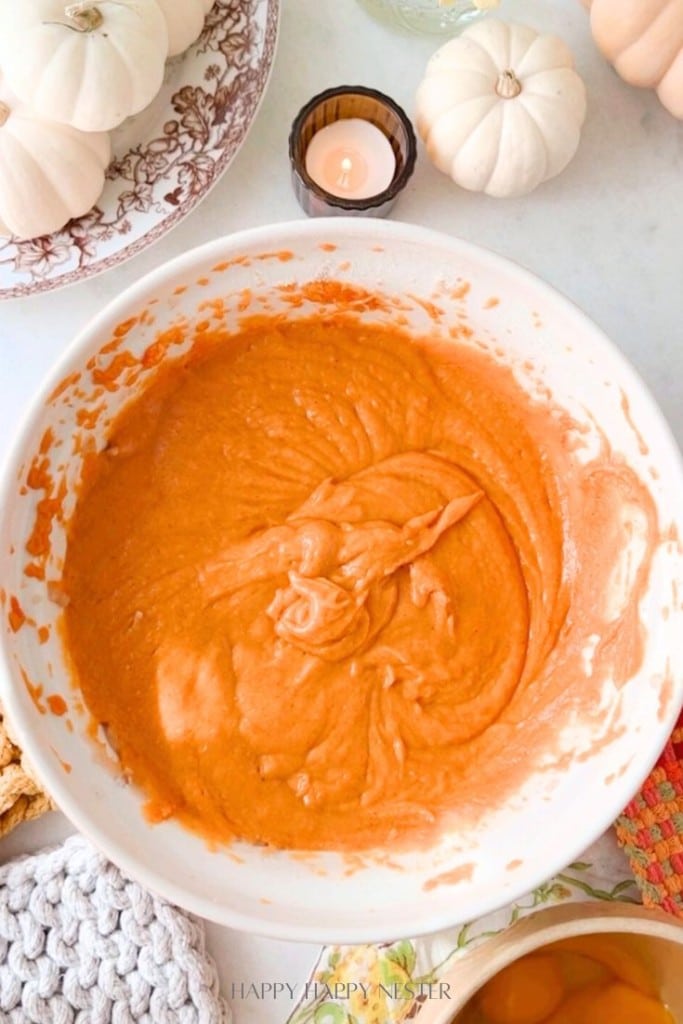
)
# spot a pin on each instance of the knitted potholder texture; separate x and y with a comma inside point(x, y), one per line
point(651, 830)
point(82, 944)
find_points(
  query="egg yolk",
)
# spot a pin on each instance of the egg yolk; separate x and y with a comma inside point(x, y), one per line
point(526, 992)
point(615, 1003)
point(621, 1003)
point(579, 1008)
point(586, 980)
point(612, 955)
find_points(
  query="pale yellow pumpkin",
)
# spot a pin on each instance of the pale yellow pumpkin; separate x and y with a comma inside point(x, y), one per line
point(49, 172)
point(87, 63)
point(184, 22)
point(643, 39)
point(500, 108)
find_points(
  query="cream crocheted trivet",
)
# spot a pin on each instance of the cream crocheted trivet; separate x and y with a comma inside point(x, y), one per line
point(21, 798)
point(82, 944)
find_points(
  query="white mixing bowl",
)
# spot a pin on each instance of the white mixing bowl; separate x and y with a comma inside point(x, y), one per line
point(556, 815)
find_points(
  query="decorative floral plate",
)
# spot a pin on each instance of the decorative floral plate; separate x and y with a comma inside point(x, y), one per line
point(166, 159)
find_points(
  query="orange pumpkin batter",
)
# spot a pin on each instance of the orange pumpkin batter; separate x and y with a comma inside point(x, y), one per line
point(322, 574)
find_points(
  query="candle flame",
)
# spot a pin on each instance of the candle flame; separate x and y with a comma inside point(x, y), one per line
point(346, 168)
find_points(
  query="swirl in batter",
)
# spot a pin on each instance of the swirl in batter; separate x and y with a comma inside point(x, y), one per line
point(331, 586)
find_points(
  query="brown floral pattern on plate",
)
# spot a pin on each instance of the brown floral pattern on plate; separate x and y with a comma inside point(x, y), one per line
point(166, 159)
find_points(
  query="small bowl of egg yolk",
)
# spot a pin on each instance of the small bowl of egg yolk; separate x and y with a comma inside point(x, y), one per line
point(586, 963)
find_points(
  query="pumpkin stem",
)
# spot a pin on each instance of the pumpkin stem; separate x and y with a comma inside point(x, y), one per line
point(508, 85)
point(85, 15)
point(4, 113)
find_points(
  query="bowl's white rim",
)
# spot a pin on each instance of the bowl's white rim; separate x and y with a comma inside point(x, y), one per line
point(271, 237)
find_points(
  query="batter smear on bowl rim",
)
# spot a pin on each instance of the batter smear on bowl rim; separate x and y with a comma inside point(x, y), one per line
point(331, 585)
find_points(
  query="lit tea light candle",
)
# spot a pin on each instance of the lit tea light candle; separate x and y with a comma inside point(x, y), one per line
point(352, 151)
point(351, 158)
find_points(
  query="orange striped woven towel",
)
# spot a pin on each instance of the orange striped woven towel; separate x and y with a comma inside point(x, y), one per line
point(650, 830)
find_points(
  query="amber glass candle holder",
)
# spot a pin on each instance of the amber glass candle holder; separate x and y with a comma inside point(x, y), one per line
point(338, 104)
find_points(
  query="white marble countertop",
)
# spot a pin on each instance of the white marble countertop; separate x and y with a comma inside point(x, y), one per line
point(607, 233)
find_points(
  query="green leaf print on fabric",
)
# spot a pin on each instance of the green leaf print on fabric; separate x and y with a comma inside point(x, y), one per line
point(404, 955)
point(393, 979)
point(330, 1013)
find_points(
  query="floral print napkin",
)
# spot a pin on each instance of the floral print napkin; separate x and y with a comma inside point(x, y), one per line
point(640, 860)
point(406, 969)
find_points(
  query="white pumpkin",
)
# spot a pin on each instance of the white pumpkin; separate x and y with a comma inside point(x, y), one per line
point(184, 21)
point(49, 172)
point(500, 108)
point(89, 64)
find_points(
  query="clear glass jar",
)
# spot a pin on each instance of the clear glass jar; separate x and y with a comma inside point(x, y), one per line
point(429, 16)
